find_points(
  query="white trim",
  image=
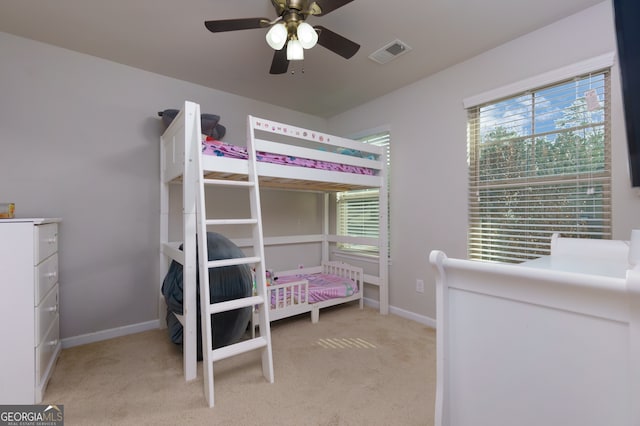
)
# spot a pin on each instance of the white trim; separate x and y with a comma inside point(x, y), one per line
point(126, 330)
point(112, 333)
point(422, 319)
point(593, 64)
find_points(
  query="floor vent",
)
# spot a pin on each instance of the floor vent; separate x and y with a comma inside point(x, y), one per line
point(390, 51)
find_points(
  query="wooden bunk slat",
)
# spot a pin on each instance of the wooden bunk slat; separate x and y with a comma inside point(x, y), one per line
point(368, 182)
point(233, 179)
point(172, 251)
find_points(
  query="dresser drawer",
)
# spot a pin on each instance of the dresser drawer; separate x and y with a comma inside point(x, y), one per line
point(46, 313)
point(30, 336)
point(46, 241)
point(46, 277)
point(46, 350)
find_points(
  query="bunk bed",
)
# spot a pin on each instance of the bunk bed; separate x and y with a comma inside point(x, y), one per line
point(288, 157)
point(551, 341)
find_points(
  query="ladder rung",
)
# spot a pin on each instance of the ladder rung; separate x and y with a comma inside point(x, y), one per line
point(230, 305)
point(238, 348)
point(223, 182)
point(231, 221)
point(232, 262)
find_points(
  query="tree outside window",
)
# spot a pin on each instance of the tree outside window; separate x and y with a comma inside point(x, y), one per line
point(539, 163)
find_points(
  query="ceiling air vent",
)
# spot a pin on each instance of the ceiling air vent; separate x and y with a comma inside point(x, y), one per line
point(390, 51)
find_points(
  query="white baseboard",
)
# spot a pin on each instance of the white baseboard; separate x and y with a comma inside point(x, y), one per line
point(422, 319)
point(98, 336)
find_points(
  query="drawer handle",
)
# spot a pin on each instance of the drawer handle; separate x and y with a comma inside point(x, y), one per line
point(52, 309)
point(51, 274)
point(52, 240)
point(52, 342)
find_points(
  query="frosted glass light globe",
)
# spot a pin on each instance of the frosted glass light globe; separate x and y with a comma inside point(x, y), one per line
point(277, 36)
point(307, 35)
point(294, 50)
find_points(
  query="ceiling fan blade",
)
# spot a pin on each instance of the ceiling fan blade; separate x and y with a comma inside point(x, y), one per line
point(327, 6)
point(236, 24)
point(336, 43)
point(280, 63)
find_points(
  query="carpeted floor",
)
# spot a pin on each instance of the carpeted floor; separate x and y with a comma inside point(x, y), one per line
point(354, 367)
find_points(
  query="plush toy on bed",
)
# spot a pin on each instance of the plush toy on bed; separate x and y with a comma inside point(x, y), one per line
point(225, 283)
point(209, 123)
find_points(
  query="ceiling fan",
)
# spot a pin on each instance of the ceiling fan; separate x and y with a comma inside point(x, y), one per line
point(289, 34)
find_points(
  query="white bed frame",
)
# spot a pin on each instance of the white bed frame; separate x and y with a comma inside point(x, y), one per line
point(293, 297)
point(278, 138)
point(291, 307)
point(554, 341)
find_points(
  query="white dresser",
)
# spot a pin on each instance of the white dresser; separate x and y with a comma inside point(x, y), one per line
point(29, 314)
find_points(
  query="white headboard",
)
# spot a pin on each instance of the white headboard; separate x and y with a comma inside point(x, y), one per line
point(588, 247)
point(527, 346)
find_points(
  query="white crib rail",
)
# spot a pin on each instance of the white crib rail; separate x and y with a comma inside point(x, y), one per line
point(285, 300)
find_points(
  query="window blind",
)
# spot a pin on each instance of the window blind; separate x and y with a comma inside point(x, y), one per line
point(539, 163)
point(359, 211)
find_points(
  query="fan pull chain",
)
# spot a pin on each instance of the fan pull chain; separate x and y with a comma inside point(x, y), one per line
point(293, 70)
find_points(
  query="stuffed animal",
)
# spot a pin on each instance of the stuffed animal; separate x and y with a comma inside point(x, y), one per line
point(209, 123)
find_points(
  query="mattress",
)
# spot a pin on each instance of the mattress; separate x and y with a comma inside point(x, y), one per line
point(323, 286)
point(222, 149)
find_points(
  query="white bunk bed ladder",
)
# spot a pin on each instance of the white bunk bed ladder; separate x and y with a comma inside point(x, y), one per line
point(263, 341)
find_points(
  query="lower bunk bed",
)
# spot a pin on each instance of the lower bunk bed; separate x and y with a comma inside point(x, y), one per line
point(290, 293)
point(304, 290)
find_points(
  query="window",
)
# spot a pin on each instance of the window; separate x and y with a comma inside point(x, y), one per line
point(539, 163)
point(358, 211)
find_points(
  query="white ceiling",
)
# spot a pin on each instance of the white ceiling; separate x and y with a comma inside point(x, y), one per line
point(168, 37)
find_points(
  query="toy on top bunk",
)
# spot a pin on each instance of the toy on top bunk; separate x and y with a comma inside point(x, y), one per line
point(209, 123)
point(352, 153)
point(355, 153)
point(225, 283)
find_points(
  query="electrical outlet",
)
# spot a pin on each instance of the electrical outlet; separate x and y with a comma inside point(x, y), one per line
point(420, 286)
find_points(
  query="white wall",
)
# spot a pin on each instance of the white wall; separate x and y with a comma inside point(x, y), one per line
point(428, 133)
point(80, 140)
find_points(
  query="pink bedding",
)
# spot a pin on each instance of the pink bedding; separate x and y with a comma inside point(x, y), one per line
point(223, 149)
point(323, 286)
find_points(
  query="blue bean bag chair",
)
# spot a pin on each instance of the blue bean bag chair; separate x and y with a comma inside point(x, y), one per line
point(225, 283)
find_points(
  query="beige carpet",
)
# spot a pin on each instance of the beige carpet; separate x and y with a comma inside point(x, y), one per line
point(354, 367)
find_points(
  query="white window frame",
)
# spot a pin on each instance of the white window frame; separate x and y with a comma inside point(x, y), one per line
point(478, 247)
point(370, 196)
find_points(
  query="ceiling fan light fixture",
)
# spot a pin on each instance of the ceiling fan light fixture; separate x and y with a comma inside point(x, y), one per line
point(277, 36)
point(290, 30)
point(295, 52)
point(307, 35)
